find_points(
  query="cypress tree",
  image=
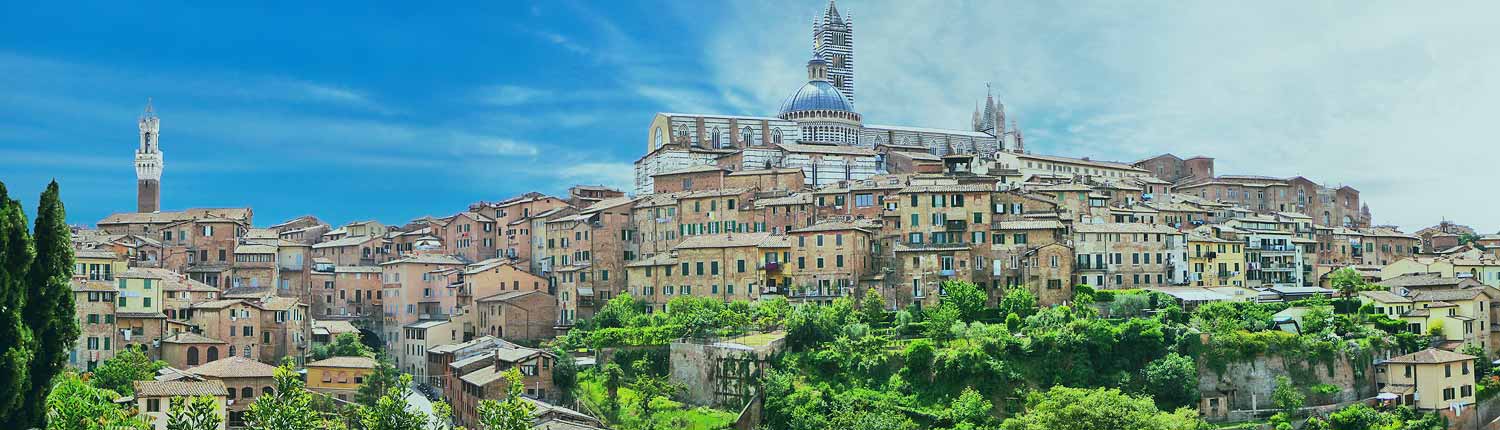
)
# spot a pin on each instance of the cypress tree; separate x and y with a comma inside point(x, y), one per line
point(49, 302)
point(15, 337)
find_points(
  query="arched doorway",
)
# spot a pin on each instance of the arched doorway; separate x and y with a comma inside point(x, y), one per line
point(370, 339)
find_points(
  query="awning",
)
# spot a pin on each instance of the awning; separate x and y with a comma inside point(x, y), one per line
point(1387, 396)
point(586, 291)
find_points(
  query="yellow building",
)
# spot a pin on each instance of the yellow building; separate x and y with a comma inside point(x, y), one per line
point(97, 265)
point(1215, 262)
point(727, 266)
point(1431, 380)
point(339, 377)
point(153, 399)
point(1459, 316)
point(1484, 270)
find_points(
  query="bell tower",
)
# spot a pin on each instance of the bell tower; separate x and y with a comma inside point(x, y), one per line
point(148, 163)
point(833, 40)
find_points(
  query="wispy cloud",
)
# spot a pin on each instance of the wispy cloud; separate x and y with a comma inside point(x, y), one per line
point(1367, 99)
point(510, 95)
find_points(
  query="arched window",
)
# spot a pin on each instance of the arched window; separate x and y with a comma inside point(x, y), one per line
point(213, 354)
point(714, 137)
point(265, 391)
point(231, 350)
point(231, 394)
point(192, 356)
point(776, 136)
point(657, 140)
point(747, 137)
point(247, 392)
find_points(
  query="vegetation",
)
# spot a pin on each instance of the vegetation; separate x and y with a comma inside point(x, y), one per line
point(378, 383)
point(119, 373)
point(197, 413)
point(289, 407)
point(343, 345)
point(1063, 408)
point(37, 327)
point(512, 413)
point(75, 404)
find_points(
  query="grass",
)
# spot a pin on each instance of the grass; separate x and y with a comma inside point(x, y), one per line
point(669, 414)
point(758, 340)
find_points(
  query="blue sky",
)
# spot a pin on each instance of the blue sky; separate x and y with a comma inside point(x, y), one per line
point(392, 111)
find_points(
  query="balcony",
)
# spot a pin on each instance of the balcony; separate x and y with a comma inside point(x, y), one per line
point(946, 272)
point(956, 225)
point(773, 267)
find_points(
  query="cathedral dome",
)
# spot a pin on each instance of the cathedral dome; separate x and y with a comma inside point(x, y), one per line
point(816, 95)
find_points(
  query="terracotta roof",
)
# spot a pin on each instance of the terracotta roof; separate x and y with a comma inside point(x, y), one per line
point(235, 367)
point(356, 269)
point(508, 296)
point(82, 285)
point(1423, 280)
point(692, 169)
point(346, 362)
point(1124, 228)
point(216, 304)
point(335, 326)
point(724, 240)
point(179, 388)
point(1028, 225)
point(426, 259)
point(1431, 356)
point(187, 338)
point(831, 225)
point(960, 188)
point(238, 214)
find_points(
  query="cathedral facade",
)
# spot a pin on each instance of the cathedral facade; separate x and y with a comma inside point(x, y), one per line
point(816, 129)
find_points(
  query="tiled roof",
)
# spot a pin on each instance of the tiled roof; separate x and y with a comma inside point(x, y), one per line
point(426, 259)
point(179, 388)
point(1431, 356)
point(1028, 225)
point(1384, 296)
point(87, 285)
point(724, 240)
point(508, 296)
point(347, 241)
point(356, 269)
point(1124, 228)
point(346, 362)
point(186, 338)
point(692, 169)
point(1095, 163)
point(94, 253)
point(240, 214)
point(335, 326)
point(216, 304)
point(235, 367)
point(831, 225)
point(1422, 280)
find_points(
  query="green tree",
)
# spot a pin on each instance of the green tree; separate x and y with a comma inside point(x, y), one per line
point(288, 407)
point(966, 297)
point(1286, 397)
point(1065, 408)
point(197, 413)
point(872, 307)
point(390, 411)
point(1013, 323)
point(970, 408)
point(649, 387)
point(1171, 380)
point(49, 302)
point(1020, 301)
point(1346, 281)
point(1482, 365)
point(378, 383)
point(343, 345)
point(119, 373)
point(621, 311)
point(614, 378)
point(565, 374)
point(16, 341)
point(940, 322)
point(74, 404)
point(512, 413)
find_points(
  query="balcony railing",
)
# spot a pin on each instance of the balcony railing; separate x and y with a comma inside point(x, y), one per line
point(956, 225)
point(773, 267)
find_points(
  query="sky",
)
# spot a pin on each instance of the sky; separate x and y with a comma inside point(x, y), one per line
point(391, 111)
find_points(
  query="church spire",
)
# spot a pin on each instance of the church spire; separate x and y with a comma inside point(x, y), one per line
point(1015, 129)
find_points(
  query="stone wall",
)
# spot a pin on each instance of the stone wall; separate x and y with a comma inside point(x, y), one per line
point(1248, 384)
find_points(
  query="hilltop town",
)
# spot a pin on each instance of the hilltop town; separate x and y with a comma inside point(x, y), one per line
point(805, 270)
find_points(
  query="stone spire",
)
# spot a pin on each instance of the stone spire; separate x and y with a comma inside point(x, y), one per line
point(1015, 129)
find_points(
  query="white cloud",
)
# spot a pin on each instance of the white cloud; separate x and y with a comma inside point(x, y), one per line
point(1391, 98)
point(510, 95)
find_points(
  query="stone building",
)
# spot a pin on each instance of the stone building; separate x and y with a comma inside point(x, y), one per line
point(488, 383)
point(1118, 256)
point(244, 380)
point(940, 230)
point(518, 315)
point(339, 377)
point(138, 308)
point(153, 399)
point(236, 322)
point(184, 350)
point(828, 260)
point(721, 266)
point(588, 253)
point(94, 307)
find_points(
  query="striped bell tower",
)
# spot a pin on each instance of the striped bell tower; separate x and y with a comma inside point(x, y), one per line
point(833, 40)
